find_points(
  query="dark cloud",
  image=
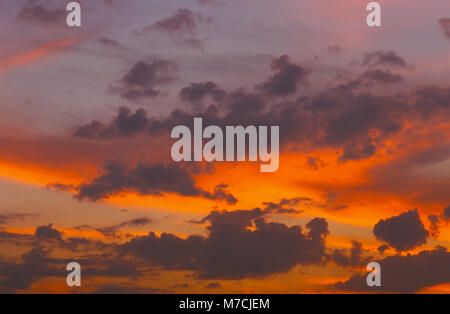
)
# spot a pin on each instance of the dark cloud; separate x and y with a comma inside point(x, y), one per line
point(10, 217)
point(406, 274)
point(147, 179)
point(117, 289)
point(403, 232)
point(368, 79)
point(111, 43)
point(432, 100)
point(436, 221)
point(111, 231)
point(35, 265)
point(285, 206)
point(145, 78)
point(213, 285)
point(353, 259)
point(221, 193)
point(39, 14)
point(60, 187)
point(47, 232)
point(314, 163)
point(123, 125)
point(445, 26)
point(195, 93)
point(240, 244)
point(388, 58)
point(382, 248)
point(350, 119)
point(286, 79)
point(380, 76)
point(183, 22)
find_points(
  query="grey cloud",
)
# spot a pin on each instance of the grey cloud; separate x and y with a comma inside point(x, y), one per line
point(436, 221)
point(111, 43)
point(353, 259)
point(10, 217)
point(47, 232)
point(286, 79)
point(213, 285)
point(147, 179)
point(406, 274)
point(232, 251)
point(34, 12)
point(144, 79)
point(35, 265)
point(352, 120)
point(382, 248)
point(445, 26)
point(196, 92)
point(123, 125)
point(388, 58)
point(111, 231)
point(403, 232)
point(183, 22)
point(285, 205)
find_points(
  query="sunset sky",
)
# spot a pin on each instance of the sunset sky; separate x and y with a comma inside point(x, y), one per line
point(86, 173)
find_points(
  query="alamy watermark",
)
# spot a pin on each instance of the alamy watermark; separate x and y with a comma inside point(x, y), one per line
point(189, 147)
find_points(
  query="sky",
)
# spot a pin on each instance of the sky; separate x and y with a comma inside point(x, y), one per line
point(86, 172)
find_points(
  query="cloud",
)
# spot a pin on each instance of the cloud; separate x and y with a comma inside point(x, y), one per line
point(352, 120)
point(144, 79)
point(382, 248)
point(38, 14)
point(35, 265)
point(111, 231)
point(239, 244)
point(123, 125)
point(117, 289)
point(438, 220)
point(10, 217)
point(354, 259)
point(147, 179)
point(213, 285)
point(38, 263)
point(111, 43)
point(47, 232)
point(285, 206)
point(432, 100)
point(286, 79)
point(183, 22)
point(195, 93)
point(403, 232)
point(369, 78)
point(387, 58)
point(445, 26)
point(406, 274)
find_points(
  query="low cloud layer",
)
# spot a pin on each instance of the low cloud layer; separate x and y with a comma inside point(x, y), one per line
point(406, 274)
point(146, 179)
point(239, 244)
